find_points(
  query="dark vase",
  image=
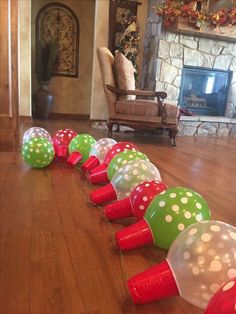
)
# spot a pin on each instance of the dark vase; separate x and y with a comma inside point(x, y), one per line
point(43, 101)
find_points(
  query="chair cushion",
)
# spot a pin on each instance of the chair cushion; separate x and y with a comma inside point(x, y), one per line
point(172, 114)
point(137, 107)
point(124, 74)
point(106, 60)
point(172, 111)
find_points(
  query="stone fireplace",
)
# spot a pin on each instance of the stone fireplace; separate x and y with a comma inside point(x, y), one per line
point(165, 56)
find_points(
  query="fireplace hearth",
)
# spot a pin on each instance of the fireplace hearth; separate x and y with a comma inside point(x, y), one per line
point(204, 91)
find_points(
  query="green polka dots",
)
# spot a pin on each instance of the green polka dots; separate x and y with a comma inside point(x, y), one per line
point(82, 143)
point(122, 159)
point(38, 153)
point(172, 211)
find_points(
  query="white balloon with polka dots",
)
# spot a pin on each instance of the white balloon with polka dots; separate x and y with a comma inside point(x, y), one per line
point(132, 174)
point(36, 132)
point(101, 148)
point(203, 257)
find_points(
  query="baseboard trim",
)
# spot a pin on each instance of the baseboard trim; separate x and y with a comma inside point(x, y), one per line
point(25, 119)
point(68, 116)
point(98, 120)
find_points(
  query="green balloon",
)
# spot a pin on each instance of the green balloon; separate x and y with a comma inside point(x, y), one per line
point(37, 152)
point(172, 211)
point(83, 144)
point(121, 159)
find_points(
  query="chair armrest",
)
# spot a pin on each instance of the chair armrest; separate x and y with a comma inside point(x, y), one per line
point(170, 111)
point(143, 93)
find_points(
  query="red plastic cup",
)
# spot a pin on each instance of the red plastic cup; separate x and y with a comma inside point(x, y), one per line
point(154, 284)
point(74, 158)
point(62, 151)
point(91, 163)
point(99, 168)
point(104, 194)
point(119, 209)
point(134, 236)
point(100, 175)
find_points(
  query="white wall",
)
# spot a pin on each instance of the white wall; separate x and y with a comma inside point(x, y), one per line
point(98, 106)
point(24, 15)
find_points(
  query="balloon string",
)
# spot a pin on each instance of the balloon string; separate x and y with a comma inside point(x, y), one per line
point(114, 245)
point(122, 259)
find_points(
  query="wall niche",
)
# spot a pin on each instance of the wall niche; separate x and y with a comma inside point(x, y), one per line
point(57, 23)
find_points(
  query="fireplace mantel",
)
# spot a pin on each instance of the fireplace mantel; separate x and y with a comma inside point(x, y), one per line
point(227, 33)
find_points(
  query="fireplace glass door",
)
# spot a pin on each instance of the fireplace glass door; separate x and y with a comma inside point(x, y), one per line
point(204, 91)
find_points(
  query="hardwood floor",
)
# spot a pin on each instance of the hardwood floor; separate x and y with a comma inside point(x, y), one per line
point(57, 252)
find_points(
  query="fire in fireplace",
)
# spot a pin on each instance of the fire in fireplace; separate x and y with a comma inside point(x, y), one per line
point(204, 91)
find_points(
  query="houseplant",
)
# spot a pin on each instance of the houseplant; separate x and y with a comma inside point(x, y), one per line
point(46, 62)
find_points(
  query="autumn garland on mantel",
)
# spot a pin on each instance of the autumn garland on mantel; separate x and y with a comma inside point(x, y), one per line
point(170, 10)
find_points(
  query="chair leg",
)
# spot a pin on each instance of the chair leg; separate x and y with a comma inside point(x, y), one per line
point(110, 127)
point(117, 130)
point(172, 135)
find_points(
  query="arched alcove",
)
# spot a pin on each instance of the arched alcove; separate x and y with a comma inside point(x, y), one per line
point(57, 23)
point(72, 94)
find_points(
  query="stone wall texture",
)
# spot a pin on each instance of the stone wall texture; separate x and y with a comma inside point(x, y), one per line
point(151, 43)
point(197, 126)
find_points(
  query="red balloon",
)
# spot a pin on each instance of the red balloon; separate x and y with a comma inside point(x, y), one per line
point(137, 203)
point(99, 174)
point(224, 300)
point(61, 140)
point(118, 148)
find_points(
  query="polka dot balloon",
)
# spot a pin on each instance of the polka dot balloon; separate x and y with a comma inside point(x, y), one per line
point(224, 300)
point(99, 174)
point(38, 152)
point(173, 210)
point(102, 147)
point(124, 180)
point(143, 194)
point(206, 254)
point(118, 148)
point(36, 132)
point(168, 214)
point(61, 141)
point(122, 159)
point(137, 203)
point(201, 259)
point(98, 153)
point(79, 148)
point(133, 173)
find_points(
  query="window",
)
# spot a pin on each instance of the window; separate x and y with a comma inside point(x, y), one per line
point(210, 84)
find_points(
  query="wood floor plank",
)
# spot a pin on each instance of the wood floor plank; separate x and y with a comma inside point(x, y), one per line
point(58, 253)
